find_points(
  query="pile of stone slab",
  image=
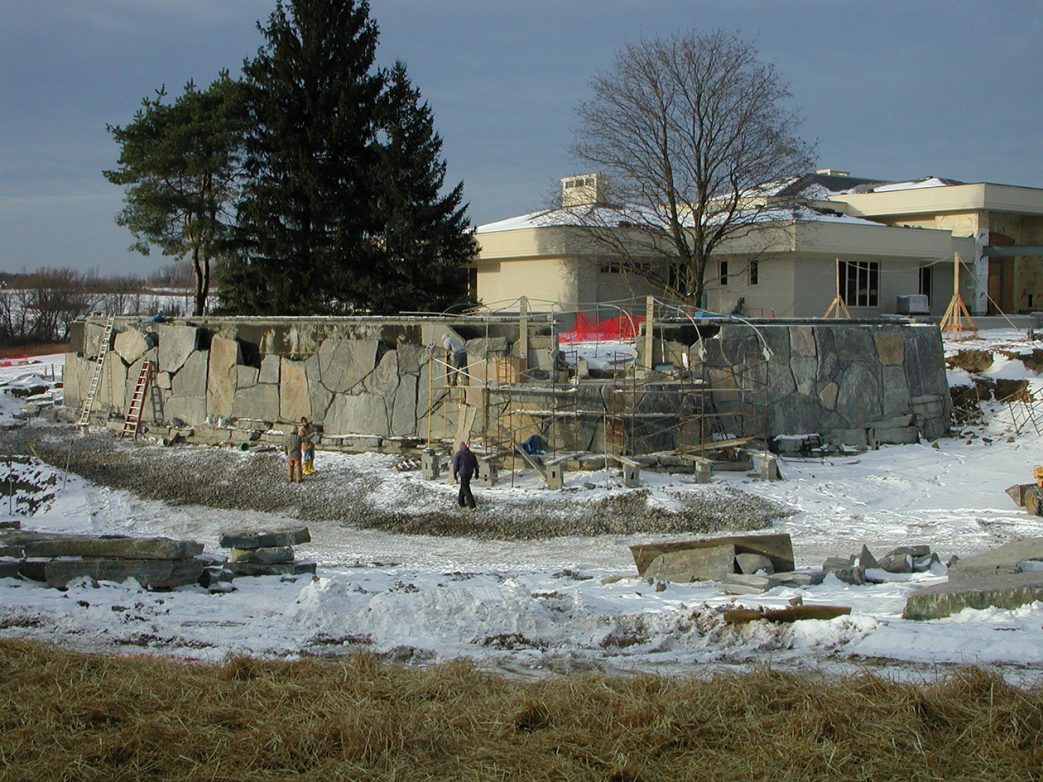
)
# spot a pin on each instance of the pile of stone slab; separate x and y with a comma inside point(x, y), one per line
point(57, 559)
point(859, 568)
point(1006, 577)
point(266, 552)
point(742, 564)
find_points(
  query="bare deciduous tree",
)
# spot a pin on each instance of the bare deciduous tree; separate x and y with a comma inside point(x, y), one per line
point(689, 130)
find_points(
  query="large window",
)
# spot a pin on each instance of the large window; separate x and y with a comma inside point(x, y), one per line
point(724, 273)
point(754, 272)
point(860, 283)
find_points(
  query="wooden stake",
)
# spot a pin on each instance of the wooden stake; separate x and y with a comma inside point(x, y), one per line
point(837, 307)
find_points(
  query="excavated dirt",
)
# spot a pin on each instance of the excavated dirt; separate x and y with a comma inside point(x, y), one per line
point(255, 481)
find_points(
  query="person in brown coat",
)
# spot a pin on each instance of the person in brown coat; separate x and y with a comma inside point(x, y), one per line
point(292, 446)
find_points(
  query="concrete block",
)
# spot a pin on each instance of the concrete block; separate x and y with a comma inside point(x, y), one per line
point(430, 464)
point(555, 477)
point(995, 591)
point(487, 473)
point(901, 435)
point(252, 539)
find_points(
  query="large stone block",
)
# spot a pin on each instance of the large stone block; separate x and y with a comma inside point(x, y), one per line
point(28, 543)
point(858, 395)
point(319, 397)
point(259, 402)
point(265, 555)
point(712, 563)
point(890, 347)
point(190, 380)
point(131, 345)
point(802, 341)
point(412, 358)
point(998, 591)
point(76, 379)
point(222, 375)
point(805, 373)
point(246, 376)
point(357, 414)
point(999, 561)
point(265, 538)
point(776, 547)
point(827, 396)
point(294, 397)
point(270, 366)
point(404, 410)
point(384, 379)
point(895, 398)
point(277, 569)
point(150, 573)
point(344, 363)
point(853, 343)
point(112, 392)
point(176, 344)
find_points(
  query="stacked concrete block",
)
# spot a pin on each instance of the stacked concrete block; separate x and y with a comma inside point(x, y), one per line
point(266, 552)
point(156, 563)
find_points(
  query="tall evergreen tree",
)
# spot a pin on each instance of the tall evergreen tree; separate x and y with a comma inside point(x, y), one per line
point(306, 223)
point(180, 164)
point(426, 236)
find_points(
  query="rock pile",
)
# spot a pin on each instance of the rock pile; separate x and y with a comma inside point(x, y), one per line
point(857, 568)
point(266, 552)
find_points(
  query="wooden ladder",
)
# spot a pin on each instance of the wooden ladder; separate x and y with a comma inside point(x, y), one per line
point(88, 403)
point(132, 421)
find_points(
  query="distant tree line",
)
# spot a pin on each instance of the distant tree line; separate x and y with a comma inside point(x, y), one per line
point(313, 184)
point(40, 306)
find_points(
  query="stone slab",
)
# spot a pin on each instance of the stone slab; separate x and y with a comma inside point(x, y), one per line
point(995, 591)
point(283, 569)
point(9, 568)
point(707, 563)
point(131, 345)
point(1000, 561)
point(176, 344)
point(150, 573)
point(254, 539)
point(751, 563)
point(43, 544)
point(776, 547)
point(268, 555)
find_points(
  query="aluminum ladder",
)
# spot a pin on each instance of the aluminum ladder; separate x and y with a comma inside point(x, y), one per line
point(106, 344)
point(132, 421)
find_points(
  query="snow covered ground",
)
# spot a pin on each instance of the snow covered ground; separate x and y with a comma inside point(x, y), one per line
point(568, 603)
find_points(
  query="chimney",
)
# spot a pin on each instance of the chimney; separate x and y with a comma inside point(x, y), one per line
point(584, 189)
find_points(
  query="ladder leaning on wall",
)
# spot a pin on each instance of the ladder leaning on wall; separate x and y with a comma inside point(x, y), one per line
point(132, 421)
point(103, 350)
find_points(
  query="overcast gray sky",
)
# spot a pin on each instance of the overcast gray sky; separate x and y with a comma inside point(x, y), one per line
point(889, 88)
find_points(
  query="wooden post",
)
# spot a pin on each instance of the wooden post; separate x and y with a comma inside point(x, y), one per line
point(952, 320)
point(649, 315)
point(523, 332)
point(837, 306)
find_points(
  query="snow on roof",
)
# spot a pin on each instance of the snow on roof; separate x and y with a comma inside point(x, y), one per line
point(566, 217)
point(915, 184)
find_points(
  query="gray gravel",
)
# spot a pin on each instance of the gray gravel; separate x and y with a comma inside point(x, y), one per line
point(255, 481)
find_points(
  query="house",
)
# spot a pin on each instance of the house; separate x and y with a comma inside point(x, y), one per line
point(871, 242)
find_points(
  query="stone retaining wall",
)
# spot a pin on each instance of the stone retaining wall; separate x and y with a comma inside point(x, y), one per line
point(373, 378)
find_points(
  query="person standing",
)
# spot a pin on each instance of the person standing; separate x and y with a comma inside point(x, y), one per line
point(307, 447)
point(292, 446)
point(465, 466)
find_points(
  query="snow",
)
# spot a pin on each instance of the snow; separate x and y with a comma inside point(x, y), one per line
point(570, 603)
point(915, 184)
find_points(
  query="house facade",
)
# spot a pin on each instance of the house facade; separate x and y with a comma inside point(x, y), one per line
point(871, 243)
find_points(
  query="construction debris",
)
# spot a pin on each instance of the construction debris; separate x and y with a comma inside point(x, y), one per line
point(710, 559)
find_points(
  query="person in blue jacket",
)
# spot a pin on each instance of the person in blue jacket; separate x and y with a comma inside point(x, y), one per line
point(465, 467)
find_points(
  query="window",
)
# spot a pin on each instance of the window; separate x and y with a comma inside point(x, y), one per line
point(611, 267)
point(925, 282)
point(860, 283)
point(724, 273)
point(680, 277)
point(754, 273)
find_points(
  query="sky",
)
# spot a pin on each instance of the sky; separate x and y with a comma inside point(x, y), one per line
point(889, 89)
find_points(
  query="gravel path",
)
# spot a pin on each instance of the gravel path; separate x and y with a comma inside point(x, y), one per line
point(255, 481)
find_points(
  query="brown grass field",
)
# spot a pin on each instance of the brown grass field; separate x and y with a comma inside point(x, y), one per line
point(72, 716)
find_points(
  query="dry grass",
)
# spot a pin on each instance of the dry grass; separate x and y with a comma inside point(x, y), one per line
point(71, 716)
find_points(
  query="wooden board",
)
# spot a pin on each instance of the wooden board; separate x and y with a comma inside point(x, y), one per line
point(791, 614)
